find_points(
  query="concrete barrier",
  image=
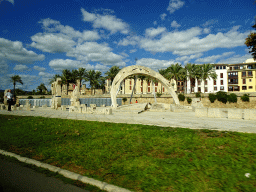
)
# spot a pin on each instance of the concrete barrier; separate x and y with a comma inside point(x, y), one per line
point(201, 112)
point(235, 113)
point(249, 114)
point(214, 113)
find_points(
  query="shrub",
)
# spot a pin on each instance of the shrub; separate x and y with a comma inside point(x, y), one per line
point(198, 94)
point(124, 99)
point(212, 97)
point(232, 98)
point(245, 98)
point(222, 96)
point(30, 97)
point(189, 100)
point(42, 97)
point(181, 97)
point(158, 94)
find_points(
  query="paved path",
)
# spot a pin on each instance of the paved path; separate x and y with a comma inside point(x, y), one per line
point(166, 119)
point(16, 178)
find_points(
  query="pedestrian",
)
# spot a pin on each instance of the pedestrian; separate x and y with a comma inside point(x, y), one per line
point(136, 101)
point(9, 97)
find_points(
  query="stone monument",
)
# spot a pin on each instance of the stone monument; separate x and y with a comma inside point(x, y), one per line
point(74, 101)
point(56, 94)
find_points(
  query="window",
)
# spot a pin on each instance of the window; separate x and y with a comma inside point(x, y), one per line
point(224, 67)
point(221, 75)
point(230, 68)
point(130, 82)
point(235, 67)
point(244, 81)
point(205, 89)
point(156, 84)
point(141, 83)
point(244, 74)
point(148, 89)
point(221, 82)
point(250, 87)
point(243, 87)
point(230, 88)
point(178, 83)
point(205, 82)
point(215, 88)
point(130, 87)
point(220, 67)
point(249, 67)
point(249, 73)
point(155, 89)
point(148, 83)
point(199, 82)
point(141, 89)
point(199, 89)
point(163, 89)
point(221, 87)
point(217, 67)
point(215, 82)
point(250, 80)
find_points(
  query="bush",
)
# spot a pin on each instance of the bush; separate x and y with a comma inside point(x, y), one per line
point(124, 99)
point(212, 97)
point(30, 97)
point(158, 94)
point(189, 100)
point(42, 97)
point(245, 98)
point(232, 98)
point(198, 94)
point(181, 97)
point(222, 96)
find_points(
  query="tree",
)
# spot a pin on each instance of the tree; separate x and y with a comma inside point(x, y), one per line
point(250, 42)
point(113, 71)
point(192, 73)
point(54, 78)
point(42, 88)
point(81, 74)
point(175, 72)
point(67, 77)
point(207, 72)
point(15, 79)
point(93, 77)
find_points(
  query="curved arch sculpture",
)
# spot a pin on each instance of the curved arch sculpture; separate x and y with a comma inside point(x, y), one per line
point(136, 69)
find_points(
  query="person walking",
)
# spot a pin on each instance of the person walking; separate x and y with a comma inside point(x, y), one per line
point(9, 97)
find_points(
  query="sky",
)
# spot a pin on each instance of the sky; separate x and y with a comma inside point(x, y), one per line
point(40, 38)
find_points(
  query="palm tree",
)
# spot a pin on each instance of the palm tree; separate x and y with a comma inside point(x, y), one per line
point(192, 73)
point(207, 72)
point(113, 71)
point(67, 77)
point(175, 72)
point(93, 77)
point(14, 80)
point(41, 88)
point(54, 78)
point(79, 74)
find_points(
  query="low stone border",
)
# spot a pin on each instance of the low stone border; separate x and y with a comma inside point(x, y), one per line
point(66, 173)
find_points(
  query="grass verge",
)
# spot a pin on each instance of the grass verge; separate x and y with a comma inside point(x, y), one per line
point(137, 157)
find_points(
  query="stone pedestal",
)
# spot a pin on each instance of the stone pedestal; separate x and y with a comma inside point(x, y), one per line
point(108, 111)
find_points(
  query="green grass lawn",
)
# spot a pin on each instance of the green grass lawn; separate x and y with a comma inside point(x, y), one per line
point(137, 157)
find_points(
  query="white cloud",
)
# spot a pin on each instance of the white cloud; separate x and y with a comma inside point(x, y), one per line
point(152, 32)
point(175, 5)
point(186, 59)
point(90, 35)
point(154, 64)
point(210, 22)
point(14, 51)
point(3, 67)
point(11, 1)
point(236, 59)
point(206, 30)
point(52, 43)
point(108, 22)
point(20, 67)
point(60, 64)
point(130, 40)
point(213, 58)
point(133, 50)
point(175, 24)
point(39, 68)
point(163, 16)
point(187, 42)
point(155, 22)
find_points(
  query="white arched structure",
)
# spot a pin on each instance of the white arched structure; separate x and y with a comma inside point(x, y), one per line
point(136, 69)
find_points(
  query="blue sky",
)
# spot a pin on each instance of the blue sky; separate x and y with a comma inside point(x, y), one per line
point(39, 38)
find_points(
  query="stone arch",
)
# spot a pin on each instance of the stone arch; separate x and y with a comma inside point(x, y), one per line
point(136, 69)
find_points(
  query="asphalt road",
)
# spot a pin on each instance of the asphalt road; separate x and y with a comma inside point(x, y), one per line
point(15, 178)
